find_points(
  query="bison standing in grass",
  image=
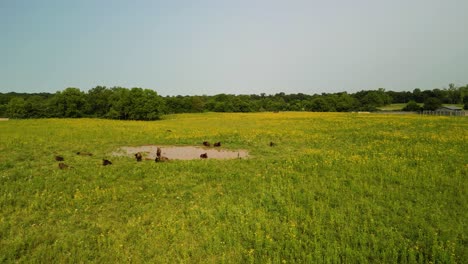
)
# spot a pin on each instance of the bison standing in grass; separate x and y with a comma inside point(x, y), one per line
point(138, 156)
point(63, 166)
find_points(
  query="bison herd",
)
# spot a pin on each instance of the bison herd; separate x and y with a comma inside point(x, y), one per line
point(64, 166)
point(207, 144)
point(160, 158)
point(139, 156)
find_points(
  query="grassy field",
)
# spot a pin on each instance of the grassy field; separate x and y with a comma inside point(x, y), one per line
point(393, 107)
point(398, 107)
point(336, 188)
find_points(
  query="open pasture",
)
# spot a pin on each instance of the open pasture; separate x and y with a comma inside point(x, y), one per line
point(334, 188)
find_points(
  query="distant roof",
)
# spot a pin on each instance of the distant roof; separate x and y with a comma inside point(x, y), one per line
point(450, 107)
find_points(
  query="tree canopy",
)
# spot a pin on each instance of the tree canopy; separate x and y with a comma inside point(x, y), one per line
point(146, 104)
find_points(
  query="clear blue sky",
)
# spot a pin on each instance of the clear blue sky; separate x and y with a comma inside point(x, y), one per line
point(239, 46)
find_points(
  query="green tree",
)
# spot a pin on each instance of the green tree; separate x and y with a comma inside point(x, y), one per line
point(412, 106)
point(376, 99)
point(119, 103)
point(137, 106)
point(440, 94)
point(241, 103)
point(36, 107)
point(176, 104)
point(154, 105)
point(295, 105)
point(432, 103)
point(345, 103)
point(98, 101)
point(69, 103)
point(318, 104)
point(16, 108)
point(453, 94)
point(3, 108)
point(197, 104)
point(275, 103)
point(223, 107)
point(144, 104)
point(418, 96)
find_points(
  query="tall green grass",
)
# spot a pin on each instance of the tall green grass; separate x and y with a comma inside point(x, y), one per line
point(337, 188)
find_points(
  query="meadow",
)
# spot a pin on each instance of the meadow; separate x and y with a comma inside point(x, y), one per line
point(336, 188)
point(399, 107)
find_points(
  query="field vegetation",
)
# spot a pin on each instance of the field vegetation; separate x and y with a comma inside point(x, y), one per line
point(336, 187)
point(403, 107)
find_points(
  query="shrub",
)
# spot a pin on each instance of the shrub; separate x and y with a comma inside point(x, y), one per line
point(412, 106)
point(432, 103)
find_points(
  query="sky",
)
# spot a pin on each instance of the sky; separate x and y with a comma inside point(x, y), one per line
point(236, 47)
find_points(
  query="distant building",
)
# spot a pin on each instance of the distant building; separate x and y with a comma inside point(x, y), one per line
point(449, 108)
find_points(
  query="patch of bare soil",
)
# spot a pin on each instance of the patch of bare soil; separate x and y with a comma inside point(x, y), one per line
point(181, 152)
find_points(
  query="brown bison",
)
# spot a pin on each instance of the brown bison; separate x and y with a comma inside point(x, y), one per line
point(204, 156)
point(106, 162)
point(217, 144)
point(84, 153)
point(158, 152)
point(206, 143)
point(59, 158)
point(138, 156)
point(161, 159)
point(63, 166)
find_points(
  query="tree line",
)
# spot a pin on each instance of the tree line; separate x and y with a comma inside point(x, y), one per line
point(146, 104)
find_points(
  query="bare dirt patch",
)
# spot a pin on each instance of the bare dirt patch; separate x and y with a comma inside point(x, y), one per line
point(181, 152)
point(4, 119)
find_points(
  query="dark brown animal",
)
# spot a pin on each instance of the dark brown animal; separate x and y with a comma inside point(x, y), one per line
point(168, 130)
point(217, 144)
point(206, 143)
point(106, 162)
point(84, 153)
point(272, 144)
point(161, 159)
point(138, 156)
point(63, 166)
point(158, 152)
point(204, 156)
point(59, 158)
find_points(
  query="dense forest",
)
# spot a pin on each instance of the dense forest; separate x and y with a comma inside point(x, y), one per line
point(146, 104)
